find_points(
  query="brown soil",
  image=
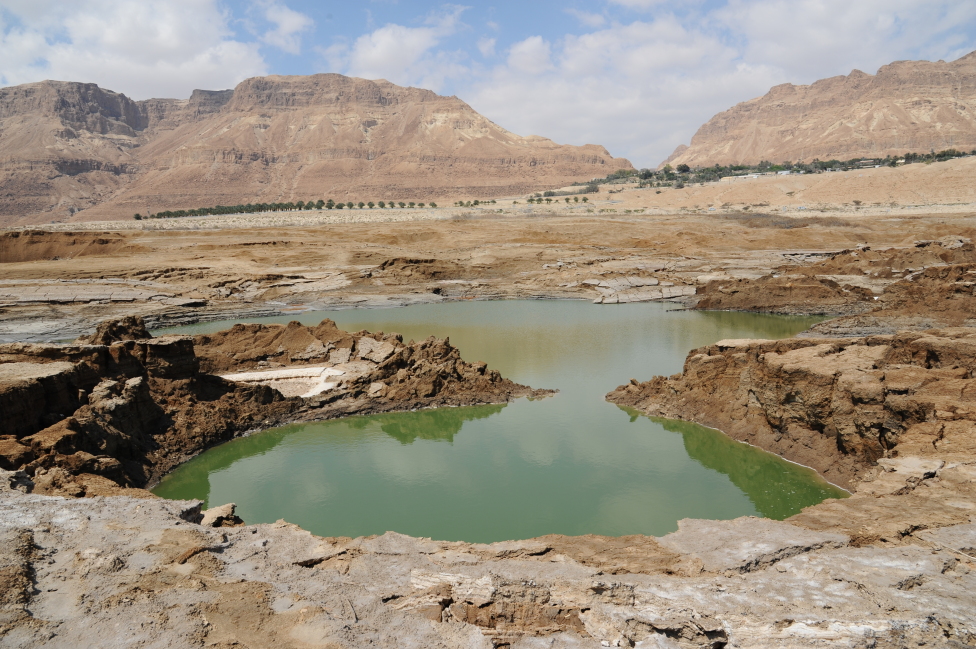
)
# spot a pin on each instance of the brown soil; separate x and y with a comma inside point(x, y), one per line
point(889, 417)
point(37, 245)
point(837, 405)
point(121, 409)
point(927, 285)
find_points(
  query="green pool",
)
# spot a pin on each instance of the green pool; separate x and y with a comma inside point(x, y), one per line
point(570, 464)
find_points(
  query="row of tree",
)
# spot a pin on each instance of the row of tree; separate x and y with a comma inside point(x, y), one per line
point(474, 203)
point(550, 199)
point(683, 173)
point(252, 208)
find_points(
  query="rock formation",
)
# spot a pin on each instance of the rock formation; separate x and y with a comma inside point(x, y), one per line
point(924, 286)
point(837, 405)
point(908, 106)
point(121, 409)
point(68, 147)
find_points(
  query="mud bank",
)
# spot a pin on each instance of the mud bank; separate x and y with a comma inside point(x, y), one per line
point(925, 286)
point(889, 417)
point(120, 409)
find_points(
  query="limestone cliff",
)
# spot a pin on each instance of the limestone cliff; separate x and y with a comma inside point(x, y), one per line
point(72, 147)
point(908, 106)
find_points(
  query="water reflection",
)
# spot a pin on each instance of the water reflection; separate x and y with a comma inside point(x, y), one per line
point(778, 489)
point(570, 464)
point(436, 425)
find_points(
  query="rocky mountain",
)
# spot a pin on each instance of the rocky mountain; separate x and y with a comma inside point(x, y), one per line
point(74, 150)
point(908, 106)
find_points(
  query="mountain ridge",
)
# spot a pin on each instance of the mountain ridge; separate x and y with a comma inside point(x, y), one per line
point(907, 106)
point(75, 150)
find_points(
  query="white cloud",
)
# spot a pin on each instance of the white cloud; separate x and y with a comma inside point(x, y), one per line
point(644, 87)
point(639, 4)
point(487, 46)
point(289, 25)
point(403, 55)
point(587, 18)
point(838, 35)
point(143, 48)
point(531, 56)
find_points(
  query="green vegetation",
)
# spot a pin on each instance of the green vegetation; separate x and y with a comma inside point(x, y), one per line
point(254, 208)
point(682, 175)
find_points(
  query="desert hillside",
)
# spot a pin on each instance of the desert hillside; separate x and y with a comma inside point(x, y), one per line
point(74, 150)
point(908, 106)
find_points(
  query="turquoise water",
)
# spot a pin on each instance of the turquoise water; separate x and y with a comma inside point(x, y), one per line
point(570, 464)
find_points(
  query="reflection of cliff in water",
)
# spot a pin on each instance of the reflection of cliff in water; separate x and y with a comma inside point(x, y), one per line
point(439, 424)
point(195, 484)
point(777, 488)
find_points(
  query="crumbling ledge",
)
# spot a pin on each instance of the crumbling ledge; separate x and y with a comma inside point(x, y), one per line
point(889, 418)
point(120, 409)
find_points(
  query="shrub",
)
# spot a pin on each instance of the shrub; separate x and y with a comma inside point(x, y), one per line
point(432, 204)
point(349, 204)
point(381, 204)
point(402, 204)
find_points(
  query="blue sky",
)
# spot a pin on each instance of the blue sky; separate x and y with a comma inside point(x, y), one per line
point(637, 76)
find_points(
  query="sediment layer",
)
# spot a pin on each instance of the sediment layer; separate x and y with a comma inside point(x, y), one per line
point(925, 286)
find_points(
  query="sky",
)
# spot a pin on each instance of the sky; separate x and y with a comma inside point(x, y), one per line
point(637, 76)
